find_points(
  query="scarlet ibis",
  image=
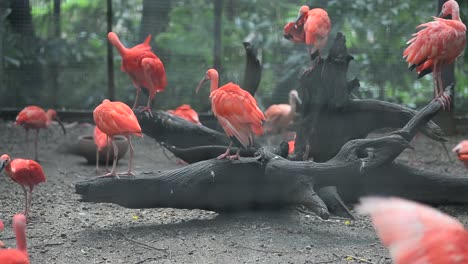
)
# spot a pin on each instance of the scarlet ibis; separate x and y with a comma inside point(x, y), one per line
point(186, 112)
point(438, 43)
point(316, 26)
point(143, 66)
point(34, 117)
point(236, 110)
point(27, 173)
point(416, 233)
point(280, 116)
point(101, 140)
point(462, 152)
point(116, 118)
point(20, 254)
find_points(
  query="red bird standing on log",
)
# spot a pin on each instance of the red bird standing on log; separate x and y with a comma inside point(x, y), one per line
point(186, 112)
point(34, 117)
point(27, 173)
point(416, 233)
point(439, 43)
point(116, 118)
point(143, 66)
point(20, 254)
point(236, 110)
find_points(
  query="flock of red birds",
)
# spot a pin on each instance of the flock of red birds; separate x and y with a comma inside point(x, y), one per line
point(413, 232)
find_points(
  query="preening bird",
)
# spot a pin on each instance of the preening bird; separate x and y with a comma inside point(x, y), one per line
point(438, 43)
point(236, 110)
point(20, 254)
point(462, 152)
point(416, 233)
point(280, 116)
point(27, 173)
point(143, 66)
point(34, 117)
point(116, 118)
point(186, 112)
point(101, 140)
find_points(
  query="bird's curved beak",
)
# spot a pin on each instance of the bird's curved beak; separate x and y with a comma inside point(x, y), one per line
point(441, 15)
point(298, 99)
point(2, 165)
point(298, 19)
point(287, 36)
point(457, 148)
point(61, 125)
point(200, 84)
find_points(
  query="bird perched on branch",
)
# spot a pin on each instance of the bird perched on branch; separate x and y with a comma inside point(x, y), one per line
point(27, 173)
point(186, 112)
point(34, 117)
point(236, 110)
point(20, 254)
point(143, 66)
point(116, 118)
point(280, 116)
point(438, 43)
point(416, 233)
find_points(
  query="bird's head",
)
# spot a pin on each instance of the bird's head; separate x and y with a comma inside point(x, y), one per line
point(302, 11)
point(294, 97)
point(4, 161)
point(449, 9)
point(461, 148)
point(287, 30)
point(52, 115)
point(211, 74)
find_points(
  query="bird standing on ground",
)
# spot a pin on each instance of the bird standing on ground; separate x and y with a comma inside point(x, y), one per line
point(34, 117)
point(186, 112)
point(439, 43)
point(143, 66)
point(20, 254)
point(280, 116)
point(116, 118)
point(236, 110)
point(416, 233)
point(315, 25)
point(462, 152)
point(101, 140)
point(27, 173)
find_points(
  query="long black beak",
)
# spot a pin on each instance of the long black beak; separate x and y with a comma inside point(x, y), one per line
point(200, 84)
point(2, 165)
point(287, 36)
point(449, 16)
point(299, 18)
point(61, 125)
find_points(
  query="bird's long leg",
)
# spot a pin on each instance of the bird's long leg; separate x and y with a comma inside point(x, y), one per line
point(137, 97)
point(25, 201)
point(446, 98)
point(35, 144)
point(130, 161)
point(108, 154)
point(222, 156)
point(29, 201)
point(114, 163)
point(97, 160)
point(148, 107)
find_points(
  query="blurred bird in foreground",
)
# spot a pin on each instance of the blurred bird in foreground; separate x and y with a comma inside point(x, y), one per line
point(186, 112)
point(462, 152)
point(20, 254)
point(236, 110)
point(416, 233)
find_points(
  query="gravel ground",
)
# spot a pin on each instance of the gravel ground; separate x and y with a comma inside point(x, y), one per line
point(63, 230)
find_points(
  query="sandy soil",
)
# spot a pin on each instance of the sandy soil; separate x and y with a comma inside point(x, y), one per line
point(63, 230)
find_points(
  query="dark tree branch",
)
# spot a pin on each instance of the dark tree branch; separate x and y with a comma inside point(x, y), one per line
point(253, 69)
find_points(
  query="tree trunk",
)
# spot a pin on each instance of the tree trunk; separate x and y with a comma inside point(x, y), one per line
point(54, 66)
point(217, 34)
point(110, 55)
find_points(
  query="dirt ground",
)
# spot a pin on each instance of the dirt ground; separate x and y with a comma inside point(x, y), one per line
point(63, 230)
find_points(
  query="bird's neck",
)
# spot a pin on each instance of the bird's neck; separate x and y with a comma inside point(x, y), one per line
point(20, 234)
point(214, 84)
point(119, 46)
point(292, 103)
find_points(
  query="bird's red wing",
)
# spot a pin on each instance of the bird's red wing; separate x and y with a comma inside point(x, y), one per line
point(100, 139)
point(317, 27)
point(155, 75)
point(27, 172)
point(277, 110)
point(238, 113)
point(436, 41)
point(116, 118)
point(413, 232)
point(32, 115)
point(13, 256)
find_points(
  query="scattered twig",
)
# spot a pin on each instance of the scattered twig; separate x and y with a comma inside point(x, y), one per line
point(359, 259)
point(142, 243)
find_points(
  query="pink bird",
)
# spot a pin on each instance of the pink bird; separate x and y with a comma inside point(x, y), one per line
point(116, 118)
point(34, 117)
point(416, 233)
point(143, 66)
point(236, 110)
point(27, 173)
point(316, 26)
point(101, 140)
point(439, 43)
point(20, 254)
point(186, 112)
point(2, 226)
point(462, 152)
point(280, 116)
